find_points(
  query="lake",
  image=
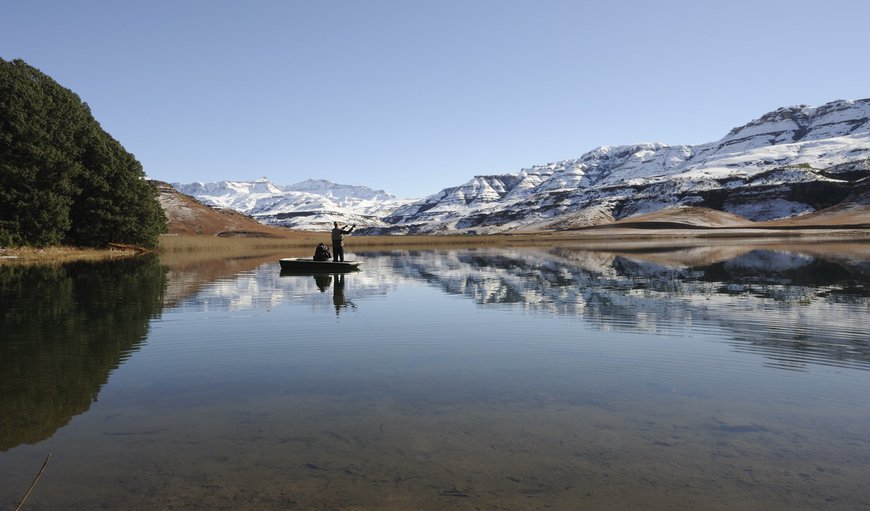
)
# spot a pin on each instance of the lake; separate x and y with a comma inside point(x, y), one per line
point(716, 377)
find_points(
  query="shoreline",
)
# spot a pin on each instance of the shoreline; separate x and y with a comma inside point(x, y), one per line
point(593, 239)
point(63, 254)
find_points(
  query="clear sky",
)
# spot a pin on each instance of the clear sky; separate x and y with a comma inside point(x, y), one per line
point(414, 96)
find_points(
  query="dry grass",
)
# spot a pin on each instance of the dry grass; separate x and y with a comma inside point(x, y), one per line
point(179, 248)
point(176, 249)
point(60, 255)
point(205, 243)
point(201, 243)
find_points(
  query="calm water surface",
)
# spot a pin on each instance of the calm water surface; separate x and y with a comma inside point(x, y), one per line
point(696, 378)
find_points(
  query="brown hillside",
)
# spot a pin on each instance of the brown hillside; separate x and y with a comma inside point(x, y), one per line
point(684, 217)
point(187, 215)
point(842, 215)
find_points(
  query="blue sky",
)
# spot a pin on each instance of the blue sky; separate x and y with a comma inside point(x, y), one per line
point(415, 96)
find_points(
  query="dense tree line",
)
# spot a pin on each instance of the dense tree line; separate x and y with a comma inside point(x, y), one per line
point(63, 179)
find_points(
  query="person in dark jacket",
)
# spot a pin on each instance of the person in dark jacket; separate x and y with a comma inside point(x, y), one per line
point(321, 253)
point(338, 240)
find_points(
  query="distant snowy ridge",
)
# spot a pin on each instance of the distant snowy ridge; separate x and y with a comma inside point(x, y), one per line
point(310, 205)
point(788, 162)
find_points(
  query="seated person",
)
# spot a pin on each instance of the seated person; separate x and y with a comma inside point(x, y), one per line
point(321, 253)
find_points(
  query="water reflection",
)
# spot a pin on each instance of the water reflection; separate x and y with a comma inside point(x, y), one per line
point(522, 378)
point(338, 298)
point(63, 330)
point(323, 281)
point(792, 307)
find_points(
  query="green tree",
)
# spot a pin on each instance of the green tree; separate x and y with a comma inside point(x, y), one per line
point(63, 179)
point(116, 204)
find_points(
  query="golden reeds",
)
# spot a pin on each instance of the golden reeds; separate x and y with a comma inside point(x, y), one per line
point(60, 255)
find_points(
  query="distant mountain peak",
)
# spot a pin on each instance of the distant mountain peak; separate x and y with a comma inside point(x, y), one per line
point(790, 161)
point(312, 204)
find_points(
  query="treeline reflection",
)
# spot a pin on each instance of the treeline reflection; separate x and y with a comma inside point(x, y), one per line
point(63, 330)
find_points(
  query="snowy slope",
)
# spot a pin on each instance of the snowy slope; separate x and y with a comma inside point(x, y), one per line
point(311, 205)
point(788, 162)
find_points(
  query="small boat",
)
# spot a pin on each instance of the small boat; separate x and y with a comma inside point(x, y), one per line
point(305, 265)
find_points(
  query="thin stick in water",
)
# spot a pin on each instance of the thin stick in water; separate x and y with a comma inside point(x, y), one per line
point(33, 484)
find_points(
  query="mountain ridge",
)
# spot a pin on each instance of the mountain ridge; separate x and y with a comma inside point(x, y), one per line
point(789, 162)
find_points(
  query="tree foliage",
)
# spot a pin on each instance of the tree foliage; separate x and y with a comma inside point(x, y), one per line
point(63, 179)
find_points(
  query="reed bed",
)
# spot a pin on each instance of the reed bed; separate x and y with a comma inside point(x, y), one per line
point(177, 248)
point(204, 243)
point(181, 247)
point(61, 255)
point(207, 243)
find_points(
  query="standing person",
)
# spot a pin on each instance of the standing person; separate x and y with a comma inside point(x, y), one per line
point(337, 240)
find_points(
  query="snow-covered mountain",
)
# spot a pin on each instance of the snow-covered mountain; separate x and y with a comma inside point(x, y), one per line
point(310, 205)
point(788, 162)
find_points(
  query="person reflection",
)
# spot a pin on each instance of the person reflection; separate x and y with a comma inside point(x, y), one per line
point(322, 282)
point(338, 294)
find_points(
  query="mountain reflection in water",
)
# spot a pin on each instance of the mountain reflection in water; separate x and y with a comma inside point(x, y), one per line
point(784, 305)
point(781, 303)
point(513, 378)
